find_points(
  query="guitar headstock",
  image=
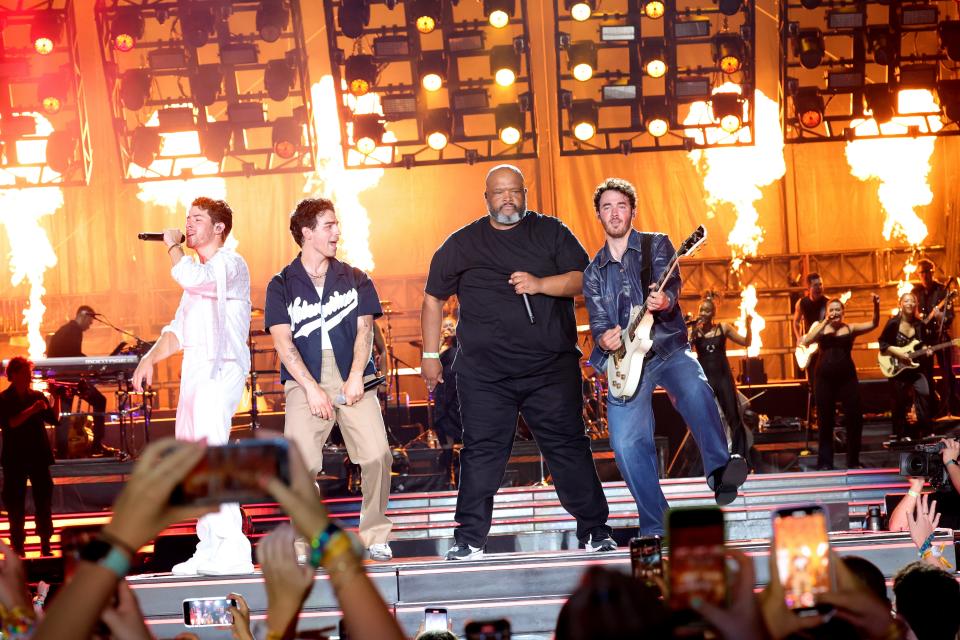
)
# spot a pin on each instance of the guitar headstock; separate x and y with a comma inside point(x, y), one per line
point(693, 242)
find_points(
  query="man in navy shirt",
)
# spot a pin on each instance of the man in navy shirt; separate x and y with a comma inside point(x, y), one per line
point(320, 313)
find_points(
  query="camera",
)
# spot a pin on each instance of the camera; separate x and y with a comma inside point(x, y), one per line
point(925, 461)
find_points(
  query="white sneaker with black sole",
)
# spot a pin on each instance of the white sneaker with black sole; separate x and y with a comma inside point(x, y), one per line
point(598, 544)
point(463, 551)
point(381, 552)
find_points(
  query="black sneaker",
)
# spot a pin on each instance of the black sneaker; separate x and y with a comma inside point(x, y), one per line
point(463, 551)
point(600, 542)
point(727, 480)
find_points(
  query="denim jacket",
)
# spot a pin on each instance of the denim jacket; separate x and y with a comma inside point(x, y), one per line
point(609, 298)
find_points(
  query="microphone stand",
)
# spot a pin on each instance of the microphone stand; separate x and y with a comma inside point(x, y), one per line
point(140, 342)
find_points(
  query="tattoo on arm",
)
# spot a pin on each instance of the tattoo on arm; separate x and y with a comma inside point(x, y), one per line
point(294, 363)
point(363, 345)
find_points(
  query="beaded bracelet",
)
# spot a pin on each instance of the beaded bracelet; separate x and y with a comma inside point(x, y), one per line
point(925, 547)
point(319, 542)
point(18, 623)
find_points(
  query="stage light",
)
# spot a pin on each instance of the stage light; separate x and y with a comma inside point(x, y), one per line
point(618, 32)
point(728, 109)
point(215, 140)
point(949, 31)
point(510, 123)
point(399, 106)
point(692, 27)
point(433, 70)
point(728, 49)
point(653, 56)
point(353, 17)
point(948, 92)
point(656, 116)
point(582, 59)
point(45, 31)
point(809, 47)
point(729, 7)
point(808, 105)
point(437, 128)
point(583, 119)
point(881, 101)
point(499, 12)
point(426, 14)
point(272, 19)
point(196, 25)
point(361, 73)
point(61, 151)
point(504, 64)
point(389, 48)
point(277, 79)
point(653, 8)
point(205, 84)
point(286, 137)
point(916, 15)
point(52, 92)
point(144, 146)
point(126, 29)
point(580, 10)
point(134, 88)
point(367, 132)
point(846, 18)
point(880, 41)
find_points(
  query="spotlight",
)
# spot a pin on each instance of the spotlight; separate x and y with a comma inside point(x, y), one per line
point(729, 7)
point(205, 84)
point(52, 92)
point(215, 140)
point(881, 101)
point(949, 31)
point(437, 128)
point(367, 132)
point(433, 70)
point(361, 73)
point(134, 88)
point(583, 119)
point(653, 8)
point(580, 10)
point(354, 15)
point(510, 123)
point(277, 79)
point(126, 29)
point(426, 14)
point(728, 51)
point(61, 151)
point(45, 31)
point(656, 116)
point(271, 19)
point(196, 25)
point(808, 106)
point(582, 59)
point(653, 56)
point(948, 92)
point(880, 40)
point(809, 47)
point(499, 12)
point(504, 64)
point(286, 137)
point(728, 109)
point(144, 146)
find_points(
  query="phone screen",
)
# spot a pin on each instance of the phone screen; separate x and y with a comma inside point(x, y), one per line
point(202, 612)
point(488, 630)
point(697, 558)
point(803, 561)
point(231, 472)
point(646, 558)
point(435, 619)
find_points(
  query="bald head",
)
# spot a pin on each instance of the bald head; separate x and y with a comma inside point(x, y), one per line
point(506, 195)
point(504, 168)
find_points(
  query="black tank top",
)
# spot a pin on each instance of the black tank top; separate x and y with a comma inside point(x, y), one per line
point(812, 311)
point(835, 358)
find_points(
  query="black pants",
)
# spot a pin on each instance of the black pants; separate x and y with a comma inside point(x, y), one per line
point(943, 396)
point(911, 386)
point(551, 405)
point(844, 390)
point(98, 403)
point(15, 496)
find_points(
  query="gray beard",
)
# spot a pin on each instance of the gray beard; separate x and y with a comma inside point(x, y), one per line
point(508, 220)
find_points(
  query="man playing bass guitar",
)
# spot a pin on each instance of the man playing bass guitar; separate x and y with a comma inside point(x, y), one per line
point(617, 280)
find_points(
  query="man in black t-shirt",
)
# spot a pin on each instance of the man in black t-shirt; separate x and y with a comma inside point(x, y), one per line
point(930, 294)
point(811, 308)
point(515, 273)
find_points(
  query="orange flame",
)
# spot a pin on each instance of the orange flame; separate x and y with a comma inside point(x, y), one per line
point(845, 296)
point(748, 307)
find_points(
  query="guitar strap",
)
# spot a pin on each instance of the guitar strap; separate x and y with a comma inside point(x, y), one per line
point(646, 263)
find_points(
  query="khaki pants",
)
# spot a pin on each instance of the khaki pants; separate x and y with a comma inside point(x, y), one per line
point(365, 437)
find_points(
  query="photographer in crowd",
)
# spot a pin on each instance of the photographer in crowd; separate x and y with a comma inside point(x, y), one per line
point(945, 496)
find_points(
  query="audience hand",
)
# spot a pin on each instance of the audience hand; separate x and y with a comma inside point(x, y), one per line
point(13, 580)
point(742, 620)
point(287, 583)
point(780, 621)
point(855, 604)
point(240, 628)
point(300, 500)
point(951, 449)
point(125, 620)
point(922, 520)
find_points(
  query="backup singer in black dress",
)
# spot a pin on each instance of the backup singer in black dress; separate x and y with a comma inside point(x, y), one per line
point(710, 342)
point(837, 380)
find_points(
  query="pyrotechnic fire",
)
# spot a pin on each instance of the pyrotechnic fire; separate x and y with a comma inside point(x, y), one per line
point(31, 253)
point(748, 307)
point(845, 296)
point(332, 180)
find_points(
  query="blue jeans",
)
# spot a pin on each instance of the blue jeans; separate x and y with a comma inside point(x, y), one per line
point(631, 429)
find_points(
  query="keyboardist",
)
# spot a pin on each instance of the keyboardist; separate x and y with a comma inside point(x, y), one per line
point(67, 342)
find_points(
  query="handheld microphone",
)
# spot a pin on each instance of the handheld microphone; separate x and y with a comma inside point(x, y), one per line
point(526, 303)
point(154, 237)
point(370, 384)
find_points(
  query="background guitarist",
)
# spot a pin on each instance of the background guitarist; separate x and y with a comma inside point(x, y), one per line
point(901, 330)
point(810, 309)
point(618, 278)
point(937, 312)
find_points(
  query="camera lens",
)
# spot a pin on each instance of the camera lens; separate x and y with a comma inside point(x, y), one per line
point(917, 466)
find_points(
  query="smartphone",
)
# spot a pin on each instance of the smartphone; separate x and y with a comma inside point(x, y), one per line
point(697, 557)
point(202, 612)
point(803, 560)
point(435, 619)
point(231, 473)
point(646, 558)
point(72, 539)
point(488, 630)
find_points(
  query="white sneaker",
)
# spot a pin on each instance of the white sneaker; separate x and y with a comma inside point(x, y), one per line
point(187, 567)
point(214, 568)
point(380, 551)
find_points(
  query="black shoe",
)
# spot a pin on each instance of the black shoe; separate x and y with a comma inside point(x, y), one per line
point(826, 467)
point(600, 542)
point(726, 480)
point(45, 549)
point(463, 551)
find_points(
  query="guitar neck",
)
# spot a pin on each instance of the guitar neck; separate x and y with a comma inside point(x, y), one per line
point(674, 261)
point(937, 347)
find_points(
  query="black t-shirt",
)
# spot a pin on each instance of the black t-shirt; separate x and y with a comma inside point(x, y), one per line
point(495, 337)
point(24, 446)
point(812, 310)
point(67, 342)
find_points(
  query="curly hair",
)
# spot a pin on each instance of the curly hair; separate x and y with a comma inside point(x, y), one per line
point(218, 210)
point(615, 184)
point(305, 215)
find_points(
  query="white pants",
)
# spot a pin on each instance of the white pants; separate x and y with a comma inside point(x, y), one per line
point(205, 410)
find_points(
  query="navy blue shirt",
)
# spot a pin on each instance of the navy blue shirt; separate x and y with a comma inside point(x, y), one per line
point(292, 299)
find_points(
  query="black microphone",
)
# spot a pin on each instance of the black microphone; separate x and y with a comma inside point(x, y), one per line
point(526, 303)
point(154, 237)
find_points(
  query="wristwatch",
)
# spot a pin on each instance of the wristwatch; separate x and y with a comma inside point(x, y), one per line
point(107, 555)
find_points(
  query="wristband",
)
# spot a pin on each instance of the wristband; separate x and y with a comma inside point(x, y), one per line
point(950, 462)
point(925, 547)
point(430, 354)
point(320, 541)
point(913, 494)
point(174, 245)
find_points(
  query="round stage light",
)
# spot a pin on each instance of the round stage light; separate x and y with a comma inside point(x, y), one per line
point(43, 45)
point(505, 77)
point(366, 145)
point(437, 140)
point(653, 9)
point(499, 19)
point(656, 68)
point(359, 87)
point(730, 123)
point(581, 11)
point(510, 135)
point(432, 82)
point(52, 104)
point(426, 24)
point(658, 127)
point(583, 72)
point(584, 131)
